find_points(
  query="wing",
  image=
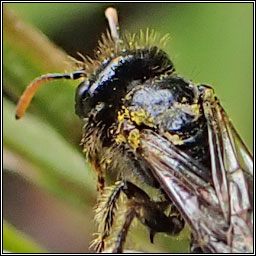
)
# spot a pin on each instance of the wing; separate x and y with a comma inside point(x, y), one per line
point(195, 198)
point(231, 167)
point(219, 213)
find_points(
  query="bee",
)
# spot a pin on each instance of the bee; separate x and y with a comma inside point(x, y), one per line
point(147, 127)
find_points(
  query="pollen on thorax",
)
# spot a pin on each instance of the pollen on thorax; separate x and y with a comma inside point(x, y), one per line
point(142, 117)
point(134, 138)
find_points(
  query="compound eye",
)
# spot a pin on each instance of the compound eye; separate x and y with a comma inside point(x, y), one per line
point(80, 98)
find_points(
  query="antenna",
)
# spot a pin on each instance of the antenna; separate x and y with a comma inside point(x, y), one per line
point(31, 89)
point(28, 94)
point(112, 17)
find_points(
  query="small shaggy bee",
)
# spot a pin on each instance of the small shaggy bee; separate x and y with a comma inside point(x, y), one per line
point(146, 125)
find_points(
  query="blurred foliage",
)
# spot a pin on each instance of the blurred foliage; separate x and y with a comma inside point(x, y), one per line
point(210, 43)
point(64, 166)
point(15, 241)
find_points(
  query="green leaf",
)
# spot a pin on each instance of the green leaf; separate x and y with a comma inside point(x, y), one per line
point(57, 161)
point(29, 54)
point(48, 139)
point(15, 241)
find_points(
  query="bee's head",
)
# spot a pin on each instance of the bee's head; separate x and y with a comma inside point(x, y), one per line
point(117, 65)
point(106, 79)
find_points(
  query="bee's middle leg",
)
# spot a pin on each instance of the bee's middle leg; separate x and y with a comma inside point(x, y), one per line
point(139, 205)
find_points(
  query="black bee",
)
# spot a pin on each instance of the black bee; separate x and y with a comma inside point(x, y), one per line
point(146, 125)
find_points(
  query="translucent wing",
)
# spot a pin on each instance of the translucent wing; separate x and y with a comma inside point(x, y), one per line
point(231, 167)
point(195, 199)
point(220, 212)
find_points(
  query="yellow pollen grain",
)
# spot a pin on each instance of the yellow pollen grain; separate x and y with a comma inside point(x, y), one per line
point(134, 138)
point(195, 108)
point(142, 117)
point(108, 161)
point(175, 139)
point(120, 139)
point(184, 99)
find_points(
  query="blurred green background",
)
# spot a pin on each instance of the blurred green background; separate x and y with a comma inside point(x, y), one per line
point(48, 189)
